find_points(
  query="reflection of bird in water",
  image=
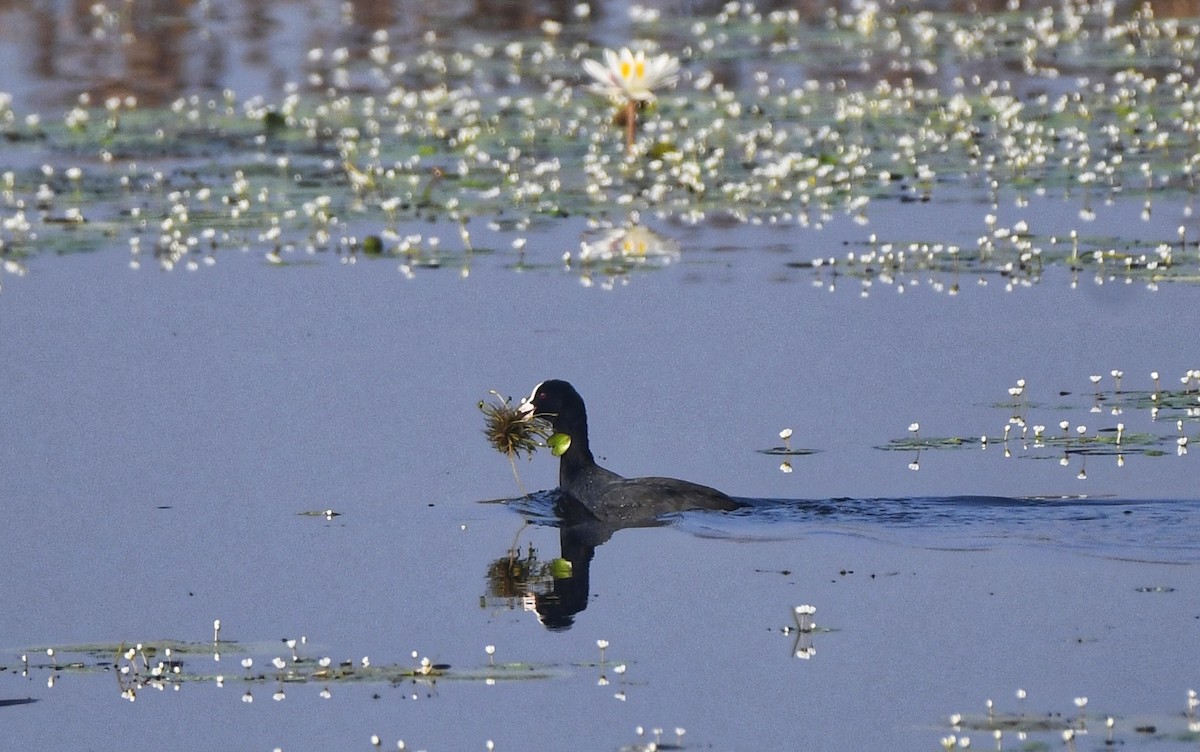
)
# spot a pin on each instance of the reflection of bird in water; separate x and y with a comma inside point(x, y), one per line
point(608, 497)
point(579, 534)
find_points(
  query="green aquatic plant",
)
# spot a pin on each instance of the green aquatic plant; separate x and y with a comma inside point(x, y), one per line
point(787, 449)
point(172, 663)
point(407, 135)
point(513, 433)
point(1120, 439)
point(510, 431)
point(559, 443)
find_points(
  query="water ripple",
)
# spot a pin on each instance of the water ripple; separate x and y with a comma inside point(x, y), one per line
point(1142, 529)
point(1161, 530)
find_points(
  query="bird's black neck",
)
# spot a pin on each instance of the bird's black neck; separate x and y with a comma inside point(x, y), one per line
point(578, 456)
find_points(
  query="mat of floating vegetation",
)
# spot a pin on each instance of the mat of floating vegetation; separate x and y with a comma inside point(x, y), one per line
point(172, 661)
point(466, 133)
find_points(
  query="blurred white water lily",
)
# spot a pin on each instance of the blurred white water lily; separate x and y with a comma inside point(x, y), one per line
point(631, 243)
point(628, 75)
point(630, 79)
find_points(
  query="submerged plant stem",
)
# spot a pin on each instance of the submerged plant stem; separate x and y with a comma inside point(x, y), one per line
point(630, 125)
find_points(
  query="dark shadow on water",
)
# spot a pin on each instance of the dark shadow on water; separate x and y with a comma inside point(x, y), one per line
point(1151, 530)
point(21, 701)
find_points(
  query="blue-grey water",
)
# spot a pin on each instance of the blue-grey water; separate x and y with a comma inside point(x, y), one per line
point(163, 435)
point(164, 431)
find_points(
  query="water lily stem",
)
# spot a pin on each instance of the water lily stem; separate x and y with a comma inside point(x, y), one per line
point(630, 124)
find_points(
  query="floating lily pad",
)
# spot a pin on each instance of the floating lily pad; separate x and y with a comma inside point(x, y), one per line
point(912, 442)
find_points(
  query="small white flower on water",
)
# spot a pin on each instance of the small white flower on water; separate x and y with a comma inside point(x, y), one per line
point(247, 662)
point(785, 434)
point(1081, 702)
point(785, 467)
point(1154, 375)
point(324, 662)
point(278, 662)
point(914, 427)
point(956, 719)
point(619, 669)
point(1095, 378)
point(490, 650)
point(374, 740)
point(366, 662)
point(626, 75)
point(1110, 721)
point(602, 644)
point(1068, 735)
point(1021, 694)
point(1064, 425)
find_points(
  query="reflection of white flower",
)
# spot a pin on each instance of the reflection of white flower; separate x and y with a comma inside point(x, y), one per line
point(632, 242)
point(631, 76)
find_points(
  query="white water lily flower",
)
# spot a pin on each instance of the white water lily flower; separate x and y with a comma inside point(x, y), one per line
point(631, 76)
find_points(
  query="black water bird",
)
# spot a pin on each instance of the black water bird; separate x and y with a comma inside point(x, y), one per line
point(605, 495)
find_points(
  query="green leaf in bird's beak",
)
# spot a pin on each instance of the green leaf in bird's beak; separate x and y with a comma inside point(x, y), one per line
point(559, 443)
point(560, 569)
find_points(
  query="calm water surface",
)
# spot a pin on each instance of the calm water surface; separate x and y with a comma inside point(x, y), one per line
point(163, 433)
